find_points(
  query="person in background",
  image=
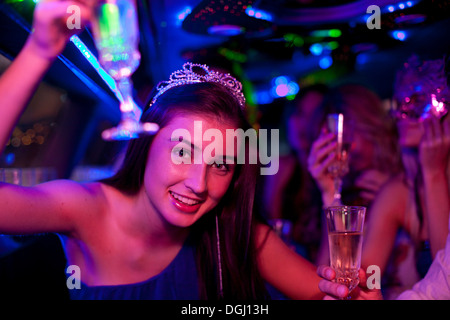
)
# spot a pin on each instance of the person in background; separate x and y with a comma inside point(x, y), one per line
point(436, 283)
point(434, 286)
point(407, 223)
point(374, 154)
point(291, 196)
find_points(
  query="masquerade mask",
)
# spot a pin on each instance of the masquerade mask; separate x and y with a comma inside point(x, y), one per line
point(421, 90)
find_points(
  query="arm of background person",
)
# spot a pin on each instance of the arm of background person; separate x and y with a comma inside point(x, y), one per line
point(384, 220)
point(434, 156)
point(436, 283)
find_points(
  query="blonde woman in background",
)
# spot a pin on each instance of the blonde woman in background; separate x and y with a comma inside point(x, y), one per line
point(408, 221)
point(374, 155)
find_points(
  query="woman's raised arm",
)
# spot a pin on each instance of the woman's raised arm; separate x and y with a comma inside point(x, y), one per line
point(47, 40)
point(50, 206)
point(434, 156)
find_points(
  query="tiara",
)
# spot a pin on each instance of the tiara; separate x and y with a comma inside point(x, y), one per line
point(187, 75)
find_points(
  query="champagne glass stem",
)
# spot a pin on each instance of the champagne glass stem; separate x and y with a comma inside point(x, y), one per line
point(337, 191)
point(129, 126)
point(127, 106)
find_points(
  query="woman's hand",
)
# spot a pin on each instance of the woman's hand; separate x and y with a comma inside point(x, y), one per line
point(434, 148)
point(321, 156)
point(336, 291)
point(53, 25)
point(434, 155)
point(47, 40)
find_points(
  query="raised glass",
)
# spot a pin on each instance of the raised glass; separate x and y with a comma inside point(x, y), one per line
point(116, 35)
point(345, 238)
point(339, 167)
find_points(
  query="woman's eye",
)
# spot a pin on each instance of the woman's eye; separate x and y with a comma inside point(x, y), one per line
point(181, 152)
point(220, 166)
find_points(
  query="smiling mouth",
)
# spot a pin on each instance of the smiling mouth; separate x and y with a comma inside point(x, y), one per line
point(184, 200)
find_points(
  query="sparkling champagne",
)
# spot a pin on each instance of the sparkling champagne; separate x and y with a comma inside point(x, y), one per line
point(345, 253)
point(117, 36)
point(339, 167)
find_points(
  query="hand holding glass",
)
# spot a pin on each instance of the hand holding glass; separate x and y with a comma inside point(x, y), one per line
point(339, 167)
point(345, 237)
point(116, 36)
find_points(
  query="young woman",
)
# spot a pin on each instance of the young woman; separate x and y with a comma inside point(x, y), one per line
point(292, 193)
point(163, 227)
point(408, 223)
point(408, 219)
point(374, 155)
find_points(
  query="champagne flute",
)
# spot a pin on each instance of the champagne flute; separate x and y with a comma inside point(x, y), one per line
point(345, 237)
point(116, 35)
point(339, 167)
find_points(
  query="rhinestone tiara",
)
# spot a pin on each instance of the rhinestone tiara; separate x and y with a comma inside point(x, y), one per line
point(187, 75)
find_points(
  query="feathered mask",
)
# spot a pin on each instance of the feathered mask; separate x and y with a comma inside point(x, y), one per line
point(421, 89)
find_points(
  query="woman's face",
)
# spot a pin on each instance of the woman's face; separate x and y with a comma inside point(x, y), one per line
point(410, 132)
point(362, 152)
point(300, 122)
point(184, 178)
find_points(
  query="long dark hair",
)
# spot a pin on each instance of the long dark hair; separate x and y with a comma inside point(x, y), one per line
point(240, 276)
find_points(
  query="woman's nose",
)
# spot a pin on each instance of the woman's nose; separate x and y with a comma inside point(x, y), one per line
point(196, 179)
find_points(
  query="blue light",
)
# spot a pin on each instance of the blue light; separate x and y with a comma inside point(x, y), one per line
point(325, 62)
point(9, 158)
point(293, 88)
point(362, 59)
point(263, 97)
point(182, 15)
point(316, 49)
point(226, 30)
point(283, 86)
point(399, 35)
point(281, 80)
point(401, 6)
point(282, 90)
point(92, 59)
point(258, 14)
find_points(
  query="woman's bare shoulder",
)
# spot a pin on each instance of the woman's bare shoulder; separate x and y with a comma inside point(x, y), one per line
point(87, 204)
point(391, 200)
point(79, 199)
point(69, 190)
point(395, 186)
